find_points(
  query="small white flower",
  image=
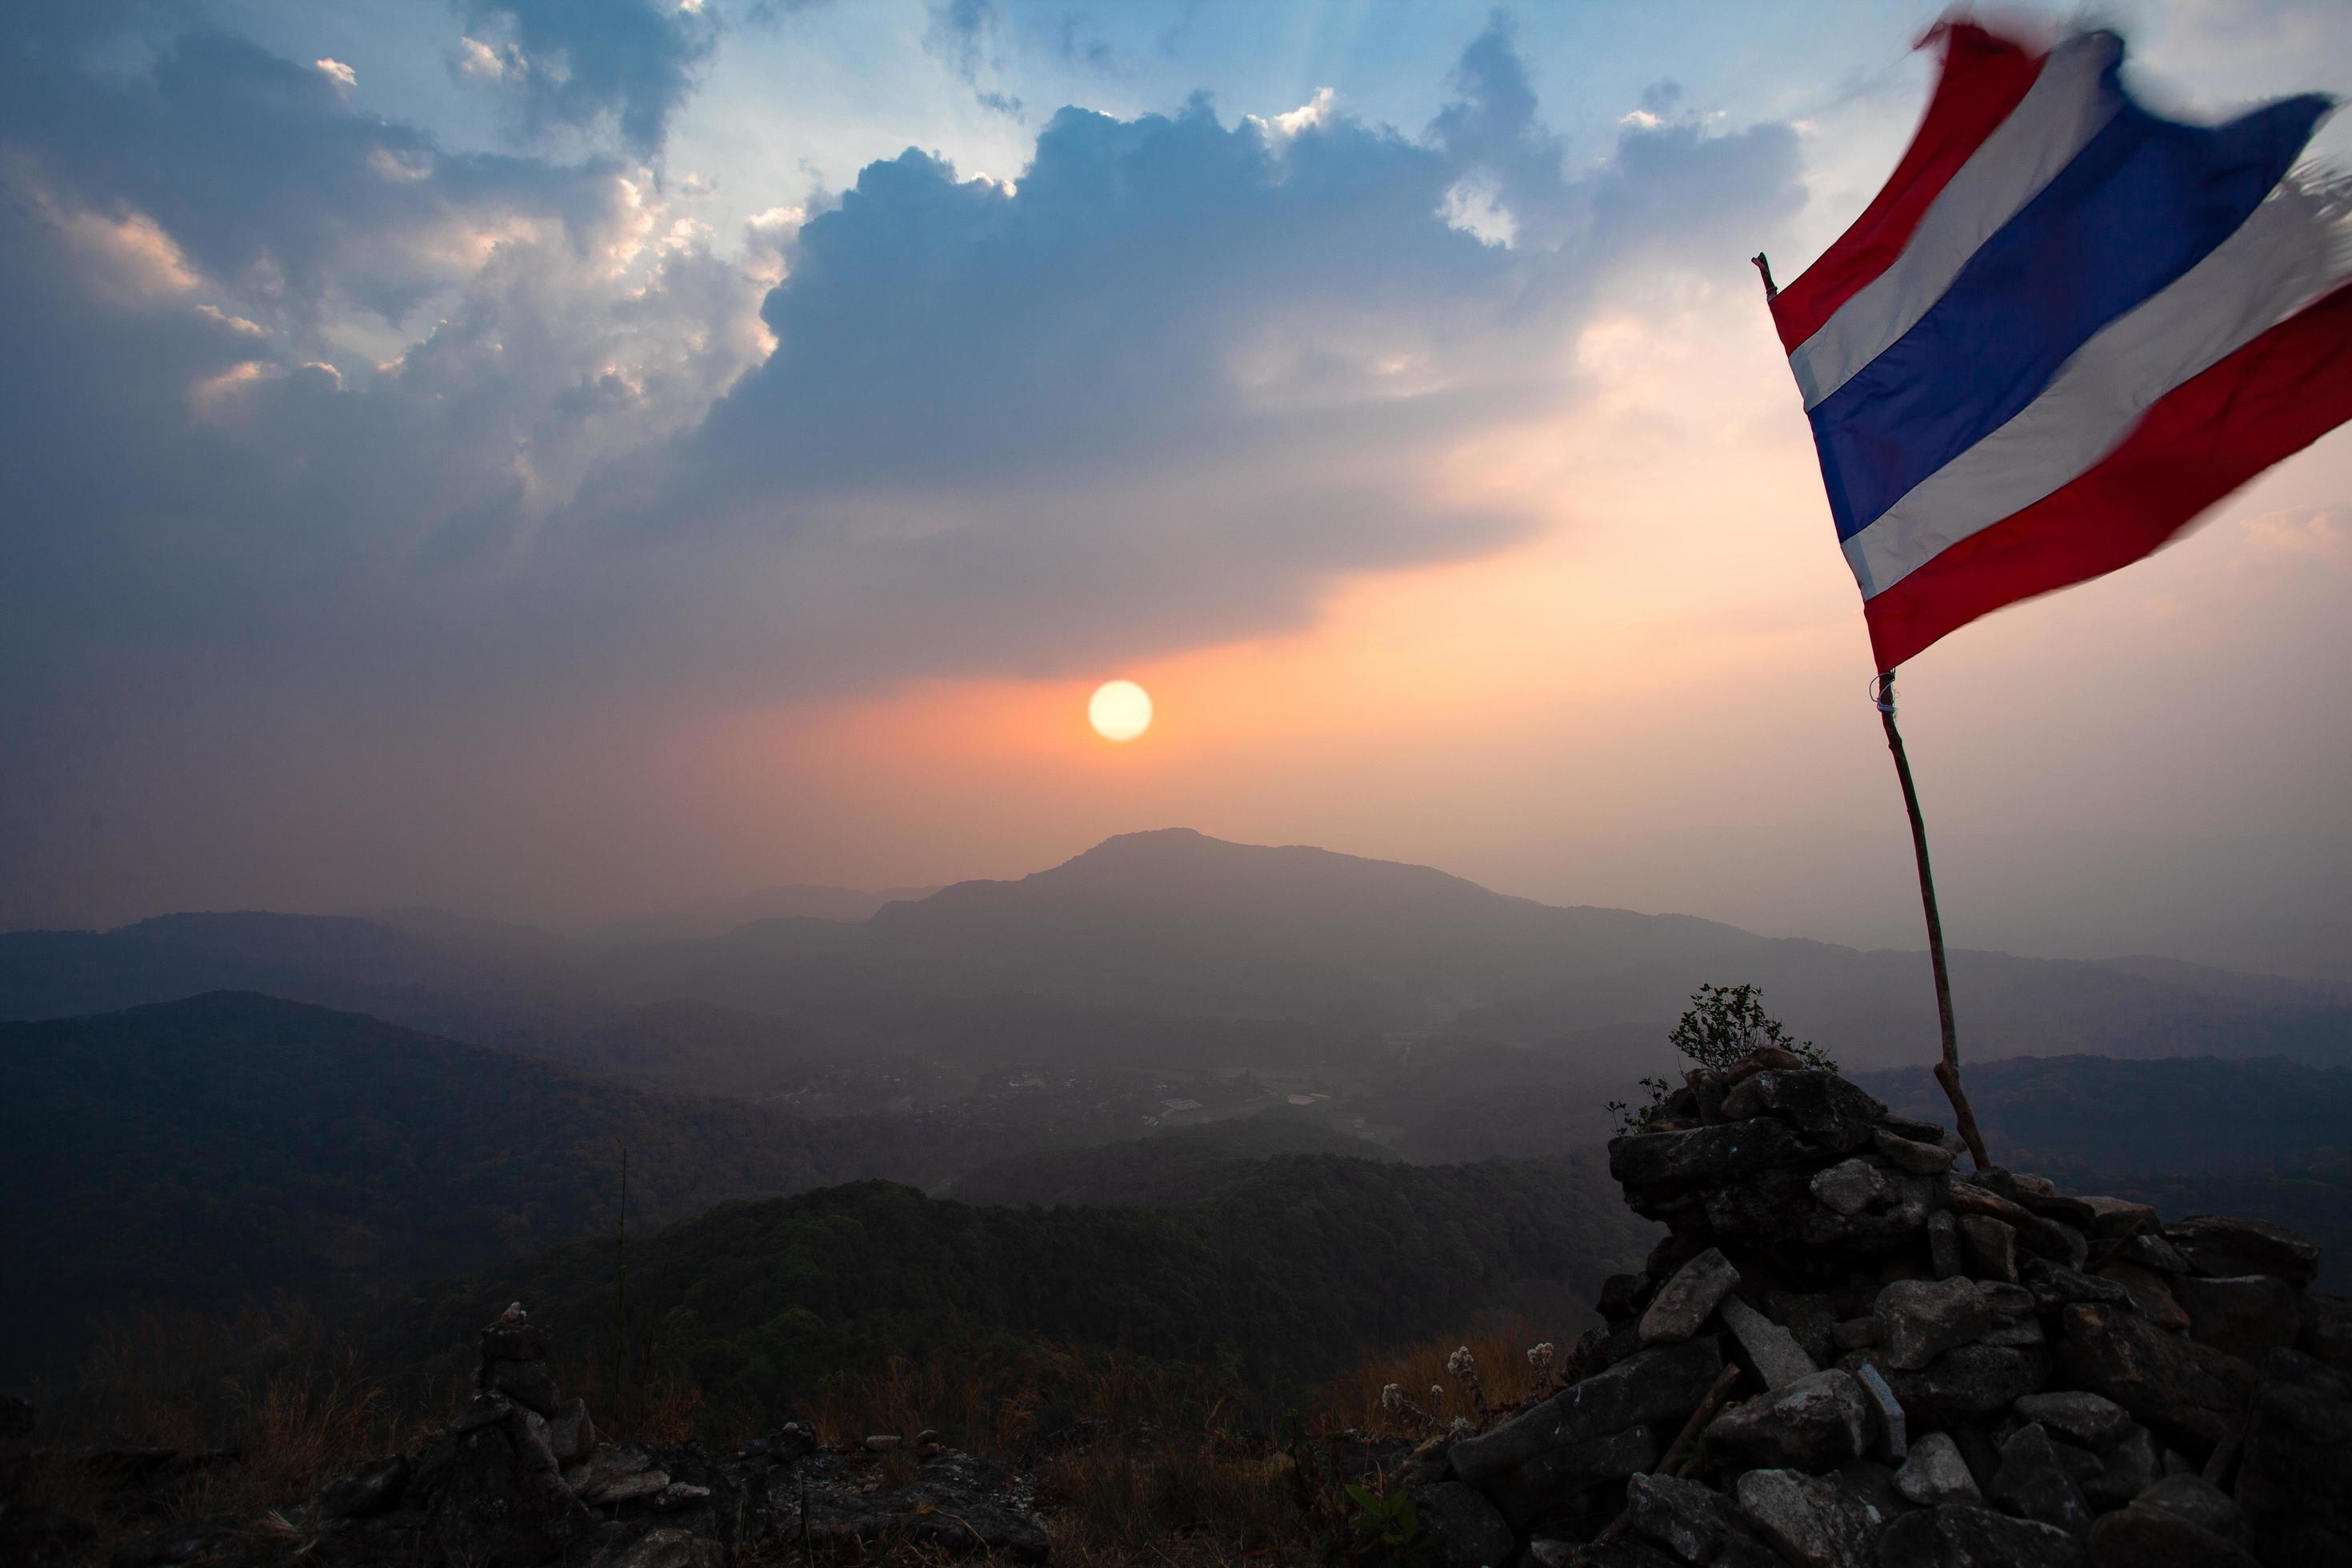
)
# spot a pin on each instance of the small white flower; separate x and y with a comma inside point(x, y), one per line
point(1539, 1356)
point(1461, 1364)
point(1391, 1397)
point(1460, 1426)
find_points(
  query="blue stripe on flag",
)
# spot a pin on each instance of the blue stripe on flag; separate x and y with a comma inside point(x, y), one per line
point(2144, 202)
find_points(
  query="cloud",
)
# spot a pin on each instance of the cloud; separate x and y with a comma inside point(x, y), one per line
point(579, 64)
point(314, 420)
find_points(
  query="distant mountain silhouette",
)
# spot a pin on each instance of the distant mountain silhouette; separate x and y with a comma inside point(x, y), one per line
point(1176, 925)
point(716, 917)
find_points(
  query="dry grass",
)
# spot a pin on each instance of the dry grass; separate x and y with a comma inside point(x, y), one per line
point(290, 1401)
point(1500, 1351)
point(1133, 1461)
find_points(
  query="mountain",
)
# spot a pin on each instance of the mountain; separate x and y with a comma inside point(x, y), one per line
point(365, 965)
point(716, 917)
point(1167, 1170)
point(1158, 948)
point(202, 1151)
point(1177, 921)
point(1290, 1272)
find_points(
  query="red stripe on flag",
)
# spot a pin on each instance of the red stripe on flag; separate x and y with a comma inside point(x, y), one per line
point(1984, 78)
point(2203, 439)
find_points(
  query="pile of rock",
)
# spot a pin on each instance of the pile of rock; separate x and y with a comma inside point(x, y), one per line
point(1846, 1352)
point(520, 1478)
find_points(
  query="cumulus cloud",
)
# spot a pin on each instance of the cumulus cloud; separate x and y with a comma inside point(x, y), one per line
point(579, 64)
point(298, 394)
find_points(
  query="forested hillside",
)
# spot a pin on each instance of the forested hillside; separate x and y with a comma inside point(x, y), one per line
point(1166, 1170)
point(202, 1151)
point(1292, 1270)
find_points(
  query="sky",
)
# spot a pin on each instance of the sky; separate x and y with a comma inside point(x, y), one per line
point(554, 459)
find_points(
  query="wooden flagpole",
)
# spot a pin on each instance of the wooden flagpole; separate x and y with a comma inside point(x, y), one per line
point(1947, 1070)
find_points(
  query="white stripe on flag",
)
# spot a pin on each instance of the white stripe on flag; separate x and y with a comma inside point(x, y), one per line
point(2059, 114)
point(2279, 260)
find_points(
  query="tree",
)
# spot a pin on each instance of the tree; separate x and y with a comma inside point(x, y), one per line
point(1722, 1024)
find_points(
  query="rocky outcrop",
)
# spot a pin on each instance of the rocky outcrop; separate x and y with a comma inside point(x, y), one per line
point(520, 1479)
point(1875, 1356)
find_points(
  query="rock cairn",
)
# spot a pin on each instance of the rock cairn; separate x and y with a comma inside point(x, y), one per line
point(521, 1479)
point(1847, 1353)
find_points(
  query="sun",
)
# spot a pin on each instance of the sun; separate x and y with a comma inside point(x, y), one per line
point(1119, 711)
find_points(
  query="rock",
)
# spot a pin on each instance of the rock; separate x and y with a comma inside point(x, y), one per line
point(2039, 1195)
point(2248, 1315)
point(527, 1383)
point(665, 1549)
point(2180, 1522)
point(1835, 1117)
point(1622, 1296)
point(956, 1503)
point(501, 1501)
point(2152, 1251)
point(629, 1488)
point(2033, 1483)
point(35, 1537)
point(882, 1442)
point(2089, 1420)
point(1809, 1317)
point(1944, 1253)
point(1814, 1424)
point(1811, 1522)
point(1552, 1484)
point(2054, 1286)
point(513, 1337)
point(2150, 1292)
point(1773, 1350)
point(2006, 1300)
point(1657, 1387)
point(2198, 1501)
point(1968, 1535)
point(485, 1410)
point(2124, 1471)
point(1918, 1319)
point(609, 1464)
point(1894, 1429)
point(1988, 1247)
point(2023, 1333)
point(1919, 1158)
point(2327, 1329)
point(1466, 1527)
point(1935, 1472)
point(1966, 1382)
point(1849, 1188)
point(371, 1489)
point(1776, 1208)
point(1917, 1131)
point(1665, 1162)
point(1694, 1523)
point(1855, 1333)
point(2112, 1218)
point(2137, 1537)
point(2295, 1475)
point(1687, 1299)
point(570, 1432)
point(2229, 1246)
point(678, 1495)
point(2192, 1394)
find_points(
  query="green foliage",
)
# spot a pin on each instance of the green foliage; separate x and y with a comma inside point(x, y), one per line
point(1723, 1023)
point(1385, 1530)
point(1727, 1022)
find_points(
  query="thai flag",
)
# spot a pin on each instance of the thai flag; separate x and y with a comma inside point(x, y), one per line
point(2064, 329)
